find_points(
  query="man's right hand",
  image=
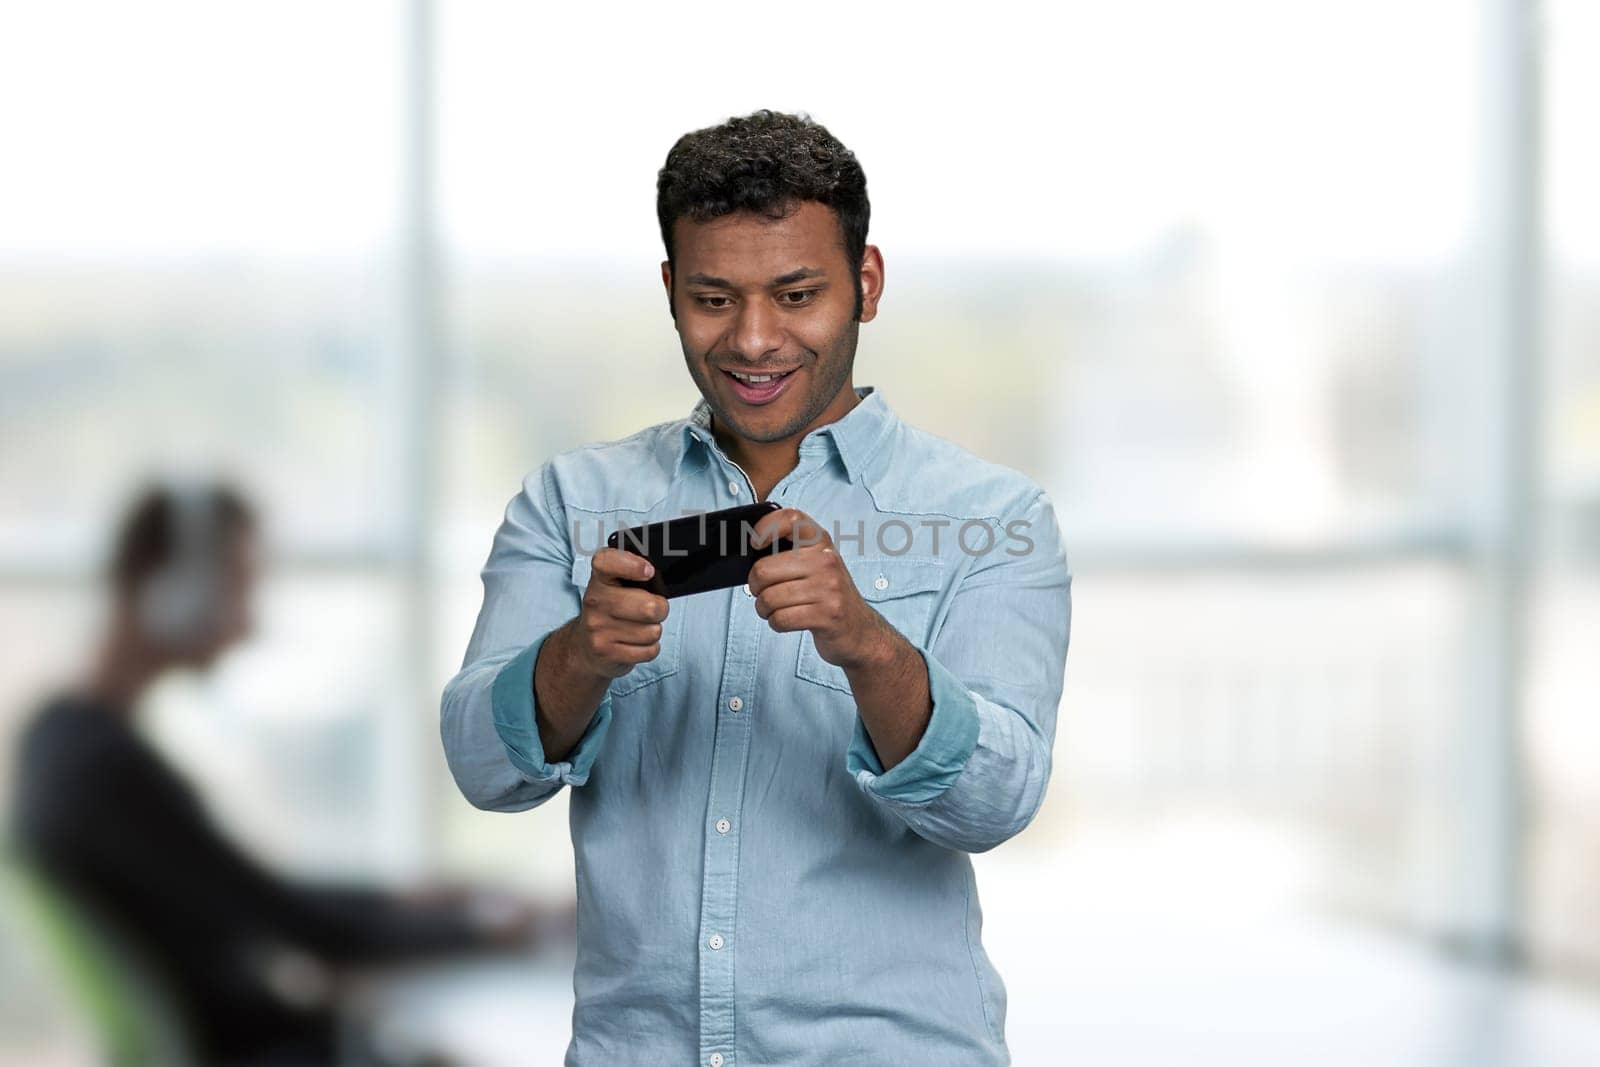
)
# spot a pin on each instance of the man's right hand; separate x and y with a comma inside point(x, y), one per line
point(618, 626)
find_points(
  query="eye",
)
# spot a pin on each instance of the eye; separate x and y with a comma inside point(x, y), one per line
point(714, 302)
point(797, 297)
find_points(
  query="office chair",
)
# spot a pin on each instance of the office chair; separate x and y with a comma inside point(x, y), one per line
point(130, 1015)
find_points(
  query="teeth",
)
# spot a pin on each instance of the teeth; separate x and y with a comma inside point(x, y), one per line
point(755, 378)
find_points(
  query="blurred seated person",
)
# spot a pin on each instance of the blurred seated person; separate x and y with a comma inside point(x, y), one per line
point(101, 813)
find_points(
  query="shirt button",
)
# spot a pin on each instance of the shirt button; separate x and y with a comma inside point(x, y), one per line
point(747, 591)
point(880, 583)
point(735, 704)
point(716, 942)
point(723, 826)
point(716, 1059)
point(733, 487)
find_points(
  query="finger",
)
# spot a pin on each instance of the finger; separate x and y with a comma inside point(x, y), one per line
point(619, 653)
point(790, 523)
point(782, 595)
point(799, 617)
point(628, 605)
point(633, 633)
point(788, 567)
point(613, 564)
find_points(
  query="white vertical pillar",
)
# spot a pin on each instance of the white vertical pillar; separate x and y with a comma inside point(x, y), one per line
point(409, 799)
point(1482, 890)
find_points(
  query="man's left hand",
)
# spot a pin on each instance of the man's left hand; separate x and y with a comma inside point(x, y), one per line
point(809, 587)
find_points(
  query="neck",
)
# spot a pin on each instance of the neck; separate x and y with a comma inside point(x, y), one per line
point(767, 462)
point(122, 671)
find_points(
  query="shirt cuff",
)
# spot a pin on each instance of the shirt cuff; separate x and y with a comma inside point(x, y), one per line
point(936, 762)
point(516, 721)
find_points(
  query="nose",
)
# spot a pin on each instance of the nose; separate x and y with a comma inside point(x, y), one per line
point(756, 332)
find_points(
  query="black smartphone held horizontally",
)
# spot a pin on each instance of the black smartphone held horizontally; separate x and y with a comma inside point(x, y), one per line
point(699, 553)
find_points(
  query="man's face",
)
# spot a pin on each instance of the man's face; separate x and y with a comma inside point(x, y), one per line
point(763, 297)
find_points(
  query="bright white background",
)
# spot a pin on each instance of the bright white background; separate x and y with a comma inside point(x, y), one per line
point(1290, 306)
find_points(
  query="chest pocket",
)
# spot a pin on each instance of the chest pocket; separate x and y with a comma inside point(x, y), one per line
point(903, 589)
point(663, 665)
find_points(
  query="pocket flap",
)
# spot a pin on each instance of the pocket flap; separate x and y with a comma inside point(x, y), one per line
point(887, 577)
point(891, 584)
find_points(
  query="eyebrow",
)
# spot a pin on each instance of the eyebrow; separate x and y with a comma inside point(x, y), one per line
point(783, 279)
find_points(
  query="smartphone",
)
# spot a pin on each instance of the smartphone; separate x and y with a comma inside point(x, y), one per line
point(699, 553)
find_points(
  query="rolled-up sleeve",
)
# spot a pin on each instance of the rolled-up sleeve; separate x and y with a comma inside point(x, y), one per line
point(488, 717)
point(995, 675)
point(516, 722)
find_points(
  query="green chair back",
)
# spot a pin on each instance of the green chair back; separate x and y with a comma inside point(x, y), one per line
point(131, 1016)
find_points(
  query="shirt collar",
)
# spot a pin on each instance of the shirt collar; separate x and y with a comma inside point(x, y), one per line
point(855, 438)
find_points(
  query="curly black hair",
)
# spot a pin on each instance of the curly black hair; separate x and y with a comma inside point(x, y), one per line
point(766, 162)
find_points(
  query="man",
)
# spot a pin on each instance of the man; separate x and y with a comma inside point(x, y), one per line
point(774, 789)
point(115, 827)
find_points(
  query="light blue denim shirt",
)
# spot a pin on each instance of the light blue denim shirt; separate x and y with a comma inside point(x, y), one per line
point(753, 888)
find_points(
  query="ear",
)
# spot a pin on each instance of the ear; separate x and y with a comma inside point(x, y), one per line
point(871, 282)
point(666, 280)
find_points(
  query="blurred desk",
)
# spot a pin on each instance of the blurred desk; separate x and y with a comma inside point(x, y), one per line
point(1265, 996)
point(1106, 965)
point(488, 1011)
point(1121, 956)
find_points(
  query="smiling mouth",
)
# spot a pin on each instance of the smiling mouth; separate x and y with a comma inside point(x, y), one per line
point(758, 388)
point(758, 379)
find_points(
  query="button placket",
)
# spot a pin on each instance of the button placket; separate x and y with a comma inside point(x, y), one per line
point(719, 890)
